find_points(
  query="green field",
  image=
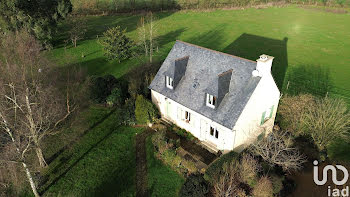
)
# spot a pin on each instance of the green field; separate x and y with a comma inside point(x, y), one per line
point(100, 162)
point(309, 46)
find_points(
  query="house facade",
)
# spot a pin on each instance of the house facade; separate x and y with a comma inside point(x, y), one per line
point(223, 100)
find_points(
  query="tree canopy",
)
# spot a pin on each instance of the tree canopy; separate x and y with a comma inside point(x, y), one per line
point(38, 17)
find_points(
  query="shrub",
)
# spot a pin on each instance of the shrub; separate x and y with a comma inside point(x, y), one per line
point(263, 188)
point(145, 112)
point(177, 161)
point(328, 120)
point(101, 87)
point(115, 98)
point(116, 44)
point(169, 156)
point(189, 166)
point(217, 166)
point(140, 78)
point(249, 169)
point(195, 185)
point(341, 2)
point(277, 183)
point(158, 140)
point(292, 110)
point(128, 117)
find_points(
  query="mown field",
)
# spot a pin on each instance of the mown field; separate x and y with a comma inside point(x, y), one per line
point(96, 157)
point(311, 47)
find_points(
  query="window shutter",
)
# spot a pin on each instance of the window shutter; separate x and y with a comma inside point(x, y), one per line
point(271, 111)
point(182, 114)
point(192, 120)
point(263, 118)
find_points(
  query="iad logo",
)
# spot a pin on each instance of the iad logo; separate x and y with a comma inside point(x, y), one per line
point(335, 191)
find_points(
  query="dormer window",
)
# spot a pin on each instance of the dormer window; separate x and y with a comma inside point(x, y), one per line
point(211, 100)
point(169, 82)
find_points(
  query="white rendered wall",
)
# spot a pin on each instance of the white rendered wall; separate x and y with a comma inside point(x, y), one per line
point(248, 126)
point(199, 125)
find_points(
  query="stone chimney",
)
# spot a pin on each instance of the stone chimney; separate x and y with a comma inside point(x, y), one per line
point(263, 66)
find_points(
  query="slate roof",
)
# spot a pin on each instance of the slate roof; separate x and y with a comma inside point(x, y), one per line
point(202, 72)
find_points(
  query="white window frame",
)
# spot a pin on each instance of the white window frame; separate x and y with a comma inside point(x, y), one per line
point(211, 101)
point(169, 82)
point(215, 132)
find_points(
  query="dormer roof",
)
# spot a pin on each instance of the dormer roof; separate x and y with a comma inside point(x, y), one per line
point(207, 71)
point(177, 70)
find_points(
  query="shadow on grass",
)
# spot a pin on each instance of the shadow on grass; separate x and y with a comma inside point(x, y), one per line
point(78, 160)
point(54, 156)
point(211, 39)
point(96, 25)
point(311, 79)
point(252, 46)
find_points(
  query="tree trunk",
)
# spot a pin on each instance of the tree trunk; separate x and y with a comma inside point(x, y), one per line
point(40, 156)
point(30, 179)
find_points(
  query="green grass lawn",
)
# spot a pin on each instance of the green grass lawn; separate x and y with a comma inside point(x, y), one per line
point(296, 37)
point(101, 163)
point(162, 180)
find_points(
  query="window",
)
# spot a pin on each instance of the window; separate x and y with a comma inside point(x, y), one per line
point(169, 82)
point(214, 132)
point(211, 100)
point(187, 116)
point(266, 115)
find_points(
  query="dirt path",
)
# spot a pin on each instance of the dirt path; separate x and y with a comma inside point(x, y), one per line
point(141, 163)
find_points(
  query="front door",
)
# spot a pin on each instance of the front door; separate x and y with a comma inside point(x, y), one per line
point(167, 108)
point(204, 127)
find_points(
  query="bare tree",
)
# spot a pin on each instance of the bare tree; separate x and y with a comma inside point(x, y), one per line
point(77, 29)
point(292, 110)
point(227, 182)
point(277, 149)
point(31, 106)
point(147, 32)
point(263, 188)
point(328, 120)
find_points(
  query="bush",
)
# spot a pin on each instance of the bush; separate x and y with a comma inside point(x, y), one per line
point(101, 87)
point(145, 112)
point(249, 170)
point(116, 44)
point(140, 78)
point(292, 110)
point(115, 98)
point(328, 120)
point(158, 140)
point(277, 183)
point(195, 185)
point(263, 188)
point(217, 166)
point(128, 117)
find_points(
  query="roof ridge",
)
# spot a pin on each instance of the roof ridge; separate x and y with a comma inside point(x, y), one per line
point(226, 72)
point(182, 58)
point(216, 51)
